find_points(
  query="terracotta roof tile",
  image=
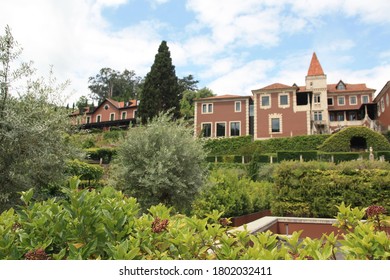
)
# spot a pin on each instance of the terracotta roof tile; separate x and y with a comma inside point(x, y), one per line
point(225, 96)
point(276, 86)
point(348, 88)
point(315, 68)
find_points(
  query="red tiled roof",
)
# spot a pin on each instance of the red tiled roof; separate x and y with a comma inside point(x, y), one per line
point(348, 88)
point(225, 96)
point(315, 68)
point(276, 86)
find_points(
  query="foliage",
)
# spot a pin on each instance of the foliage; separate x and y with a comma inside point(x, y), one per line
point(310, 189)
point(85, 171)
point(187, 100)
point(106, 154)
point(161, 90)
point(341, 141)
point(108, 225)
point(296, 155)
point(111, 83)
point(188, 83)
point(33, 150)
point(231, 193)
point(160, 162)
point(226, 146)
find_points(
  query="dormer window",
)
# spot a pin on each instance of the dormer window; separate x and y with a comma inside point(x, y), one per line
point(340, 86)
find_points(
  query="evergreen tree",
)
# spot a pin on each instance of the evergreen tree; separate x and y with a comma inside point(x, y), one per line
point(161, 90)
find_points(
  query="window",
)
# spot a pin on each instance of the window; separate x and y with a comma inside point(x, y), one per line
point(237, 106)
point(317, 98)
point(112, 117)
point(234, 129)
point(352, 116)
point(207, 108)
point(106, 107)
point(330, 101)
point(340, 86)
point(340, 117)
point(275, 125)
point(283, 100)
point(135, 114)
point(365, 99)
point(318, 116)
point(352, 100)
point(98, 118)
point(332, 117)
point(383, 104)
point(124, 115)
point(206, 129)
point(221, 130)
point(387, 100)
point(265, 101)
point(88, 119)
point(341, 100)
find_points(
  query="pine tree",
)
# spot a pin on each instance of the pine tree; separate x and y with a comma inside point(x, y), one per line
point(161, 91)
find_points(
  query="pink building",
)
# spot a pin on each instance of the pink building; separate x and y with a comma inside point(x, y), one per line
point(382, 100)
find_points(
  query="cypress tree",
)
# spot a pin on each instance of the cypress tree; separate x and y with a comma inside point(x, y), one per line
point(161, 91)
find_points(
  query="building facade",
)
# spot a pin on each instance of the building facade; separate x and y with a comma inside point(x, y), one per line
point(108, 114)
point(280, 110)
point(382, 100)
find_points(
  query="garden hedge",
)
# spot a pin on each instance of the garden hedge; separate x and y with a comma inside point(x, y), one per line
point(341, 141)
point(311, 189)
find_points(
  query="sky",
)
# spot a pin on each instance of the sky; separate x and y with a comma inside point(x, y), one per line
point(230, 46)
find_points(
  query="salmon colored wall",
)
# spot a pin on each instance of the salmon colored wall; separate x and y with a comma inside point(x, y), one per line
point(311, 230)
point(384, 117)
point(293, 123)
point(223, 111)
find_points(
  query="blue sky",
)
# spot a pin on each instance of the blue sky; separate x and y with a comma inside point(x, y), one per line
point(230, 46)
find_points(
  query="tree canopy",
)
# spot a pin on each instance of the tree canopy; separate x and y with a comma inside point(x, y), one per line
point(161, 90)
point(113, 84)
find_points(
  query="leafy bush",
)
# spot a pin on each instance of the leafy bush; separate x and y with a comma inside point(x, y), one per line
point(85, 171)
point(296, 155)
point(106, 154)
point(108, 225)
point(296, 143)
point(226, 146)
point(230, 192)
point(310, 189)
point(341, 141)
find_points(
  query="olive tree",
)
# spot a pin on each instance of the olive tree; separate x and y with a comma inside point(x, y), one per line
point(33, 147)
point(160, 163)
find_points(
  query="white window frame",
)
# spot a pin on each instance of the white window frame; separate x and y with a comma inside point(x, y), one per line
point(99, 116)
point(315, 97)
point(275, 116)
point(316, 115)
point(208, 111)
point(288, 100)
point(338, 100)
point(124, 115)
point(112, 114)
point(235, 106)
point(368, 99)
point(350, 100)
point(88, 120)
point(230, 129)
point(216, 129)
point(211, 129)
point(134, 113)
point(382, 104)
point(269, 101)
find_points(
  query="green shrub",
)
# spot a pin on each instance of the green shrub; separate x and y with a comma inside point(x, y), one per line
point(226, 146)
point(314, 187)
point(341, 141)
point(296, 155)
point(85, 171)
point(296, 143)
point(385, 154)
point(106, 154)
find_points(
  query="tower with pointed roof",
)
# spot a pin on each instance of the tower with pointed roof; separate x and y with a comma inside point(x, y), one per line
point(316, 83)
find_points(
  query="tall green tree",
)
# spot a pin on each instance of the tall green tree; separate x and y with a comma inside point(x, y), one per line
point(113, 84)
point(161, 90)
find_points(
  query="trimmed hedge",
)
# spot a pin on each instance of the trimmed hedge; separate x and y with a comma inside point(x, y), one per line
point(226, 146)
point(291, 155)
point(341, 141)
point(106, 154)
point(85, 171)
point(312, 189)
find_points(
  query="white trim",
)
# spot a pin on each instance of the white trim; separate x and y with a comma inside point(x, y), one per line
point(255, 108)
point(275, 116)
point(247, 116)
point(235, 106)
point(207, 108)
point(88, 119)
point(125, 113)
point(112, 114)
point(317, 94)
point(215, 129)
point(97, 116)
point(288, 100)
point(338, 101)
point(261, 95)
point(350, 97)
point(230, 129)
point(135, 111)
point(195, 119)
point(211, 129)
